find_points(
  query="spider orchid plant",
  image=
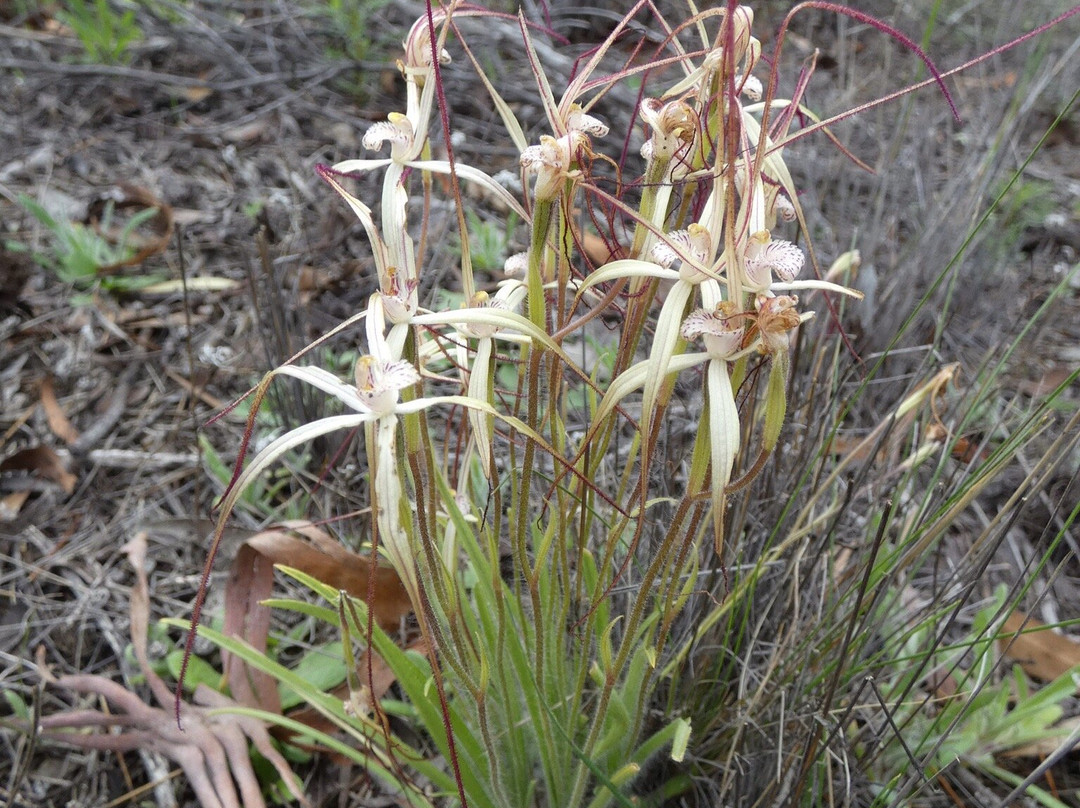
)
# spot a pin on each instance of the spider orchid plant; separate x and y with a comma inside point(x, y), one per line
point(551, 666)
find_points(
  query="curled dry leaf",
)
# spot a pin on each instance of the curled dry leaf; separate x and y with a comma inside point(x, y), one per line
point(211, 749)
point(305, 547)
point(322, 557)
point(11, 504)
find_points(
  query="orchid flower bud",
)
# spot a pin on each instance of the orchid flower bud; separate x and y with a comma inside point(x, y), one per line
point(417, 44)
point(747, 49)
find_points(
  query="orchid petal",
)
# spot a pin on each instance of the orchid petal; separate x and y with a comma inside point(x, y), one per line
point(628, 268)
point(724, 436)
point(635, 376)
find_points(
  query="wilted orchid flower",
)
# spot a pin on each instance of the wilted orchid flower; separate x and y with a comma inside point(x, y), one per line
point(746, 47)
point(772, 266)
point(776, 317)
point(553, 158)
point(746, 54)
point(673, 127)
point(416, 66)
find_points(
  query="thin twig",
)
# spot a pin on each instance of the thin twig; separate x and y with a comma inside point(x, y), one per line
point(153, 77)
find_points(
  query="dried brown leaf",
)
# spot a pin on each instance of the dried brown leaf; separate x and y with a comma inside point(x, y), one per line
point(324, 558)
point(43, 462)
point(196, 94)
point(11, 504)
point(55, 415)
point(251, 579)
point(305, 547)
point(1042, 653)
point(599, 251)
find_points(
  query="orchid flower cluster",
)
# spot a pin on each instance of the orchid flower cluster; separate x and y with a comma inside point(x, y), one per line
point(714, 194)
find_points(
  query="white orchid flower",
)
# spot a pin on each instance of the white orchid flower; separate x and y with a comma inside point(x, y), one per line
point(580, 121)
point(772, 266)
point(765, 258)
point(375, 401)
point(407, 135)
point(693, 247)
point(379, 384)
point(395, 260)
point(507, 298)
point(397, 129)
point(722, 331)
